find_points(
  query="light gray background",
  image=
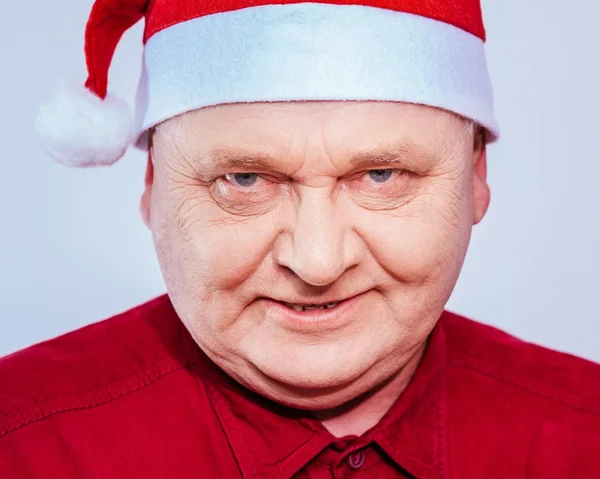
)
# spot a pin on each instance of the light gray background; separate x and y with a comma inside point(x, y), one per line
point(73, 249)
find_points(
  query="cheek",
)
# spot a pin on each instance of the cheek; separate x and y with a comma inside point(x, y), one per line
point(206, 254)
point(425, 240)
point(208, 263)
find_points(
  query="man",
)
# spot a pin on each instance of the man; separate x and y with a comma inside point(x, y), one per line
point(309, 248)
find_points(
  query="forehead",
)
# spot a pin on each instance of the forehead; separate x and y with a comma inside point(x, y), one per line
point(339, 127)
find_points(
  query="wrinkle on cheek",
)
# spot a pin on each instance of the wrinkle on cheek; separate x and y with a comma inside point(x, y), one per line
point(188, 212)
point(448, 211)
point(177, 223)
point(448, 198)
point(450, 215)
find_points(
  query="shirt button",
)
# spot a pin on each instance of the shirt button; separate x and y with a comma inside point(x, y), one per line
point(356, 459)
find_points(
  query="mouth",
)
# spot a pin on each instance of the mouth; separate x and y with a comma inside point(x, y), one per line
point(303, 317)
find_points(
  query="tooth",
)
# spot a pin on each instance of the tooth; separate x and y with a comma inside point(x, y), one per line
point(307, 307)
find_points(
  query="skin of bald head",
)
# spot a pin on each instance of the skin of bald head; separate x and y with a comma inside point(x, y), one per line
point(306, 201)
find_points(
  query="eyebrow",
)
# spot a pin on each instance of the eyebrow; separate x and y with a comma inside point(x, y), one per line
point(399, 155)
point(234, 160)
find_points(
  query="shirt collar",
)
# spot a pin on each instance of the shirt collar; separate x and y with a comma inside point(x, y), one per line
point(274, 441)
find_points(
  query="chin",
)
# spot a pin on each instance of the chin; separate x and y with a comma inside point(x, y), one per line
point(313, 385)
point(312, 367)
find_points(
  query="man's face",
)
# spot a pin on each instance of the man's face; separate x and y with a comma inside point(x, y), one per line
point(253, 206)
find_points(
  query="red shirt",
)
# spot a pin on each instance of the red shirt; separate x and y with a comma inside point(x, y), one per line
point(133, 396)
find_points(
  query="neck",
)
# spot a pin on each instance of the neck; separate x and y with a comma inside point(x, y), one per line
point(361, 414)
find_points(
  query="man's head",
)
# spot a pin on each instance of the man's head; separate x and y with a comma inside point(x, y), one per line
point(254, 205)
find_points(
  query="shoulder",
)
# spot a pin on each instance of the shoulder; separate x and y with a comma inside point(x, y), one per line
point(539, 407)
point(91, 365)
point(511, 363)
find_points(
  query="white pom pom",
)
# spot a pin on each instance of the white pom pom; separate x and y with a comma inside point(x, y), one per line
point(79, 129)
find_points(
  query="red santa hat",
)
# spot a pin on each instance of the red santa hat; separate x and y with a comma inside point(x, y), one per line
point(199, 53)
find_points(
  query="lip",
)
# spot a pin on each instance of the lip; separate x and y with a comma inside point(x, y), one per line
point(312, 319)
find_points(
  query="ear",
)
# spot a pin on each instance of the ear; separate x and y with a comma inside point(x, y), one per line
point(481, 189)
point(148, 182)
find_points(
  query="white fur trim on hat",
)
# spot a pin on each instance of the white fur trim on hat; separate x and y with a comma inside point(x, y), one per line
point(79, 129)
point(312, 51)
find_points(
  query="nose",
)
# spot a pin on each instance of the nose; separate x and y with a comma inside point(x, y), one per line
point(318, 247)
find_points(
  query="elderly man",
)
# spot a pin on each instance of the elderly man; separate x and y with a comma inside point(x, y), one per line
point(309, 248)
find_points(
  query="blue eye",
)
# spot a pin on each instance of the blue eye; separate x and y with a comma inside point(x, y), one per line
point(380, 176)
point(244, 179)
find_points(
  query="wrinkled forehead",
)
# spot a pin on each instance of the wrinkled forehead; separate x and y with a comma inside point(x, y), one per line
point(342, 128)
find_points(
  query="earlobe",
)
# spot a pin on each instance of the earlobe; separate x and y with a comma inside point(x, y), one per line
point(481, 189)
